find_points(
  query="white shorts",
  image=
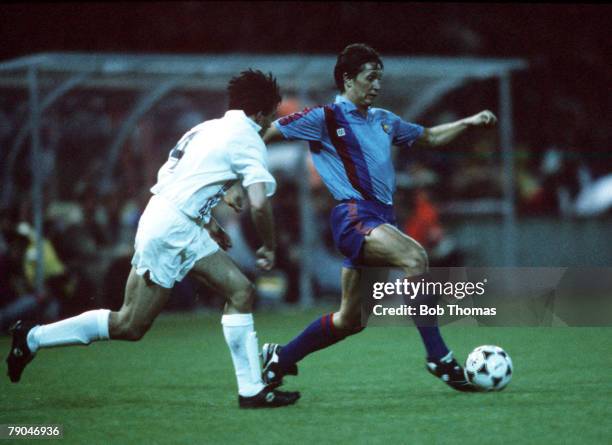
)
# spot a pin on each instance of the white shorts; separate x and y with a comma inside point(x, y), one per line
point(168, 243)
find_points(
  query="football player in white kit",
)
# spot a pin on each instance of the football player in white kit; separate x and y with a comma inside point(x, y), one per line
point(177, 235)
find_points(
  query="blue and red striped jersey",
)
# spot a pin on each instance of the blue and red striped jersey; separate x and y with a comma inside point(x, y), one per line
point(351, 152)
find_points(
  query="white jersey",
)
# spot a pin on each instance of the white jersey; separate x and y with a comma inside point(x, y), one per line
point(209, 159)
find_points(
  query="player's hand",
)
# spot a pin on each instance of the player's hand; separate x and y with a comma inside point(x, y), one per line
point(483, 119)
point(221, 237)
point(265, 258)
point(234, 197)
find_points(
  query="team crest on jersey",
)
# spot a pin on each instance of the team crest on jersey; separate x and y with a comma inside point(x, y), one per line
point(340, 132)
point(386, 128)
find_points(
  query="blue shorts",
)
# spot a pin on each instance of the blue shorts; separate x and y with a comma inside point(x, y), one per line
point(351, 221)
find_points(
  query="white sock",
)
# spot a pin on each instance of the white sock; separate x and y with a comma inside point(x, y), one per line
point(242, 342)
point(79, 330)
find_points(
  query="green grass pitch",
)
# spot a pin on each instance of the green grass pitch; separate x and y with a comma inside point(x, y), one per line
point(177, 386)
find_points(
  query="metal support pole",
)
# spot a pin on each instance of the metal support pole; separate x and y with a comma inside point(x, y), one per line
point(307, 229)
point(24, 131)
point(428, 96)
point(37, 177)
point(507, 146)
point(307, 226)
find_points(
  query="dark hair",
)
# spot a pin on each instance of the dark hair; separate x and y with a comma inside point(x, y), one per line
point(350, 61)
point(253, 91)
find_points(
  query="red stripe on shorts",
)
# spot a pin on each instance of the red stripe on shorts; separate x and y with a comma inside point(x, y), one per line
point(354, 216)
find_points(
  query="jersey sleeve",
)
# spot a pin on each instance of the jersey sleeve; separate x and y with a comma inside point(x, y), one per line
point(405, 133)
point(306, 125)
point(248, 160)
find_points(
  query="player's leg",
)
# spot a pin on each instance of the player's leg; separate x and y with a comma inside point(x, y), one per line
point(387, 246)
point(356, 305)
point(321, 333)
point(219, 272)
point(350, 224)
point(348, 318)
point(142, 303)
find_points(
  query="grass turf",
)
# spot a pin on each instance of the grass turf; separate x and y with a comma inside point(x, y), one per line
point(177, 386)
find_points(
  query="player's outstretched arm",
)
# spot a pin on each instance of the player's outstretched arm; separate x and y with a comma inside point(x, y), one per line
point(445, 133)
point(263, 218)
point(272, 134)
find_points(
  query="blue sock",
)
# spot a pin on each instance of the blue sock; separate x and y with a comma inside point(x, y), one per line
point(318, 335)
point(428, 325)
point(434, 344)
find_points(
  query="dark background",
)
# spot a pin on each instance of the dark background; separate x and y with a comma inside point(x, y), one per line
point(532, 30)
point(567, 45)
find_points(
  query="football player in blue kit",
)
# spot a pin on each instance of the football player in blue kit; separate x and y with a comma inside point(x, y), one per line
point(351, 142)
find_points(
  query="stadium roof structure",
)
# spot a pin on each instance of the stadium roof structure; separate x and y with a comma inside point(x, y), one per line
point(417, 82)
point(118, 69)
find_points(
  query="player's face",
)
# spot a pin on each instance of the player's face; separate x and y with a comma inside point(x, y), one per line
point(365, 87)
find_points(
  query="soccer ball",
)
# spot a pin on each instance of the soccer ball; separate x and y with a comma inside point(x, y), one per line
point(489, 368)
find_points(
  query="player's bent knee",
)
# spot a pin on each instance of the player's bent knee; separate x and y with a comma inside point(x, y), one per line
point(348, 323)
point(416, 261)
point(126, 328)
point(135, 331)
point(242, 299)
